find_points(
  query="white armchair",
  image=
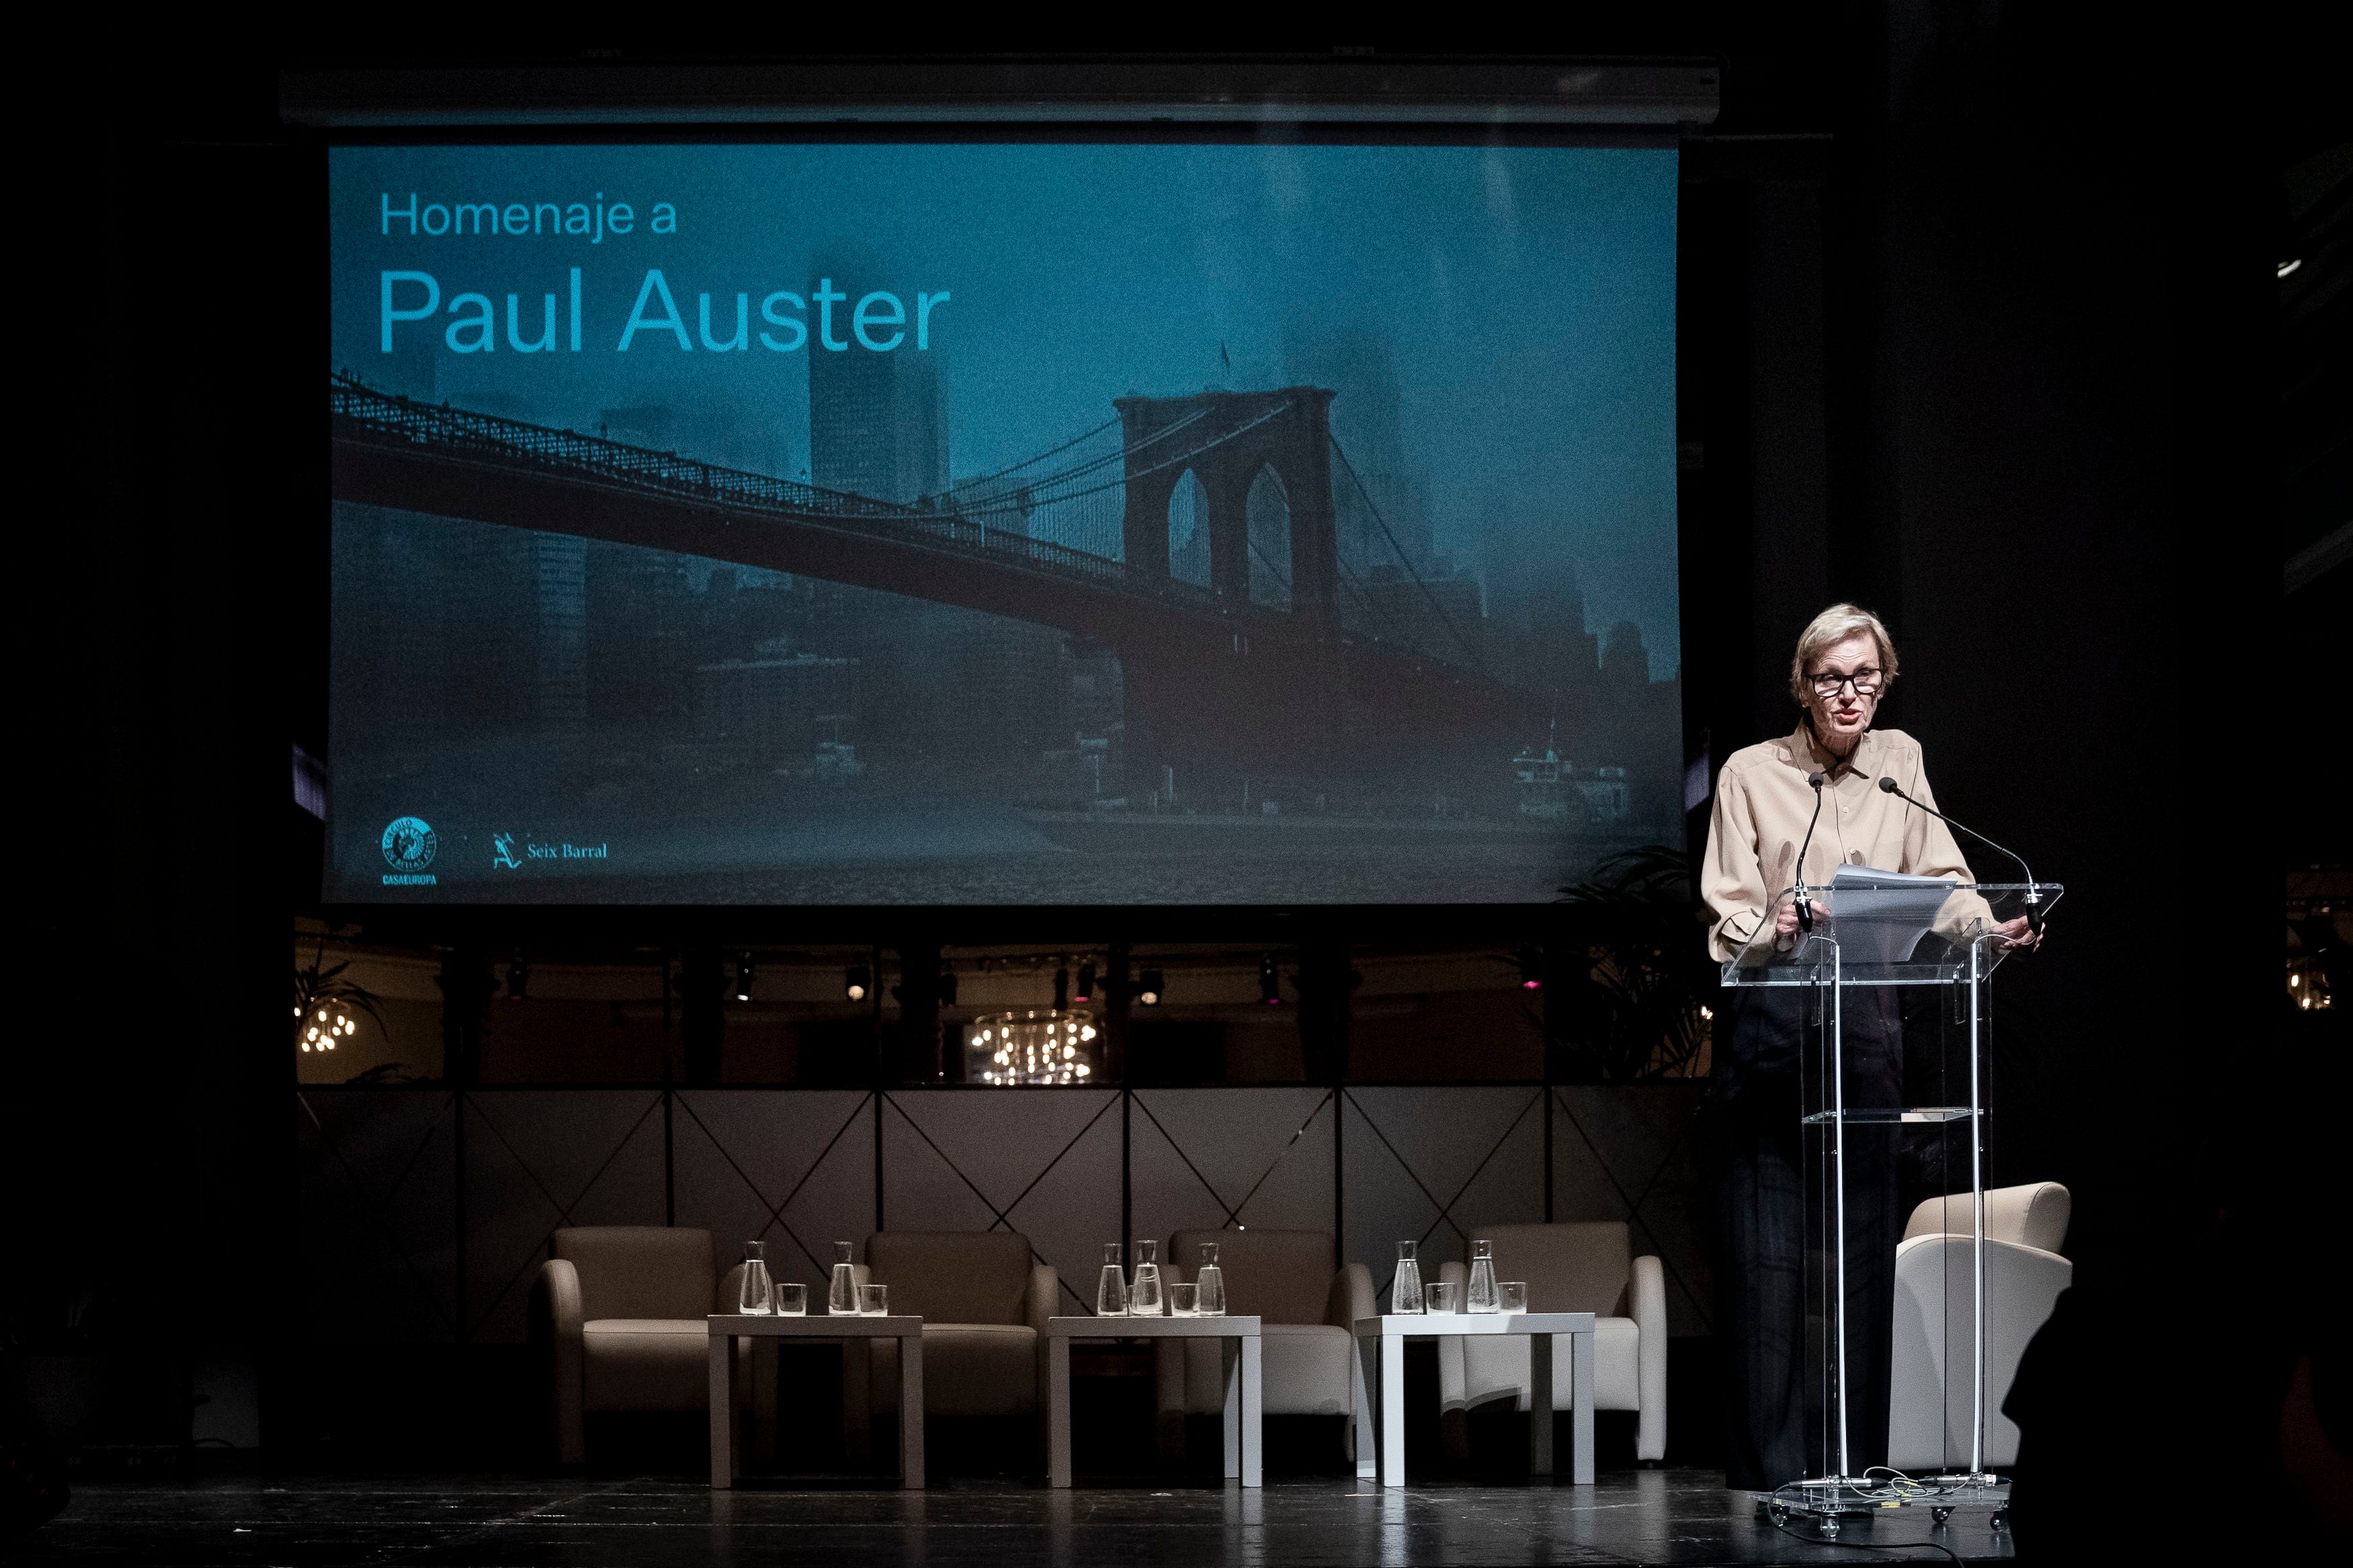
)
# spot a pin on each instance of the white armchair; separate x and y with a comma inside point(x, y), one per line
point(1307, 1306)
point(1585, 1267)
point(984, 1301)
point(618, 1314)
point(1936, 1293)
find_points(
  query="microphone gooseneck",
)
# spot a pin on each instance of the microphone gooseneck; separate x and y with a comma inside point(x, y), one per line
point(1804, 901)
point(2033, 894)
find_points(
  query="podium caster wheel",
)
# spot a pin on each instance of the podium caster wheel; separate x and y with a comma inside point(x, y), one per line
point(2002, 1518)
point(1940, 1514)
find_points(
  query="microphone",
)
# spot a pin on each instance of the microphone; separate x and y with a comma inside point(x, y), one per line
point(2033, 895)
point(1804, 901)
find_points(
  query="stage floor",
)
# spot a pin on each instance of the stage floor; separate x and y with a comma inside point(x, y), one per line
point(1656, 1516)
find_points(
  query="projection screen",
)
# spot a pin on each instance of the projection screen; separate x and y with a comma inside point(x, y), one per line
point(1046, 523)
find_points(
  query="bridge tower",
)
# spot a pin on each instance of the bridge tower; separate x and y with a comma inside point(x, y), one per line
point(1261, 692)
point(1288, 431)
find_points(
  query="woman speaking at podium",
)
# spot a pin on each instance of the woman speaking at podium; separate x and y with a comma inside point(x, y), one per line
point(1765, 802)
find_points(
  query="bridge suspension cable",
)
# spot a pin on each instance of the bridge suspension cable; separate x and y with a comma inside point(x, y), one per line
point(982, 497)
point(1085, 505)
point(1407, 561)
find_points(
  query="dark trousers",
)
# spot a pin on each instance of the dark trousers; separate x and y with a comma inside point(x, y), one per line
point(1781, 1412)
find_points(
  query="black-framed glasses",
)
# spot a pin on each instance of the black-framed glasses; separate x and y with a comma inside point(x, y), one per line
point(1866, 682)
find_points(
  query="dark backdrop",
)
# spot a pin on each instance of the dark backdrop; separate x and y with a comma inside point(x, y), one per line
point(1993, 357)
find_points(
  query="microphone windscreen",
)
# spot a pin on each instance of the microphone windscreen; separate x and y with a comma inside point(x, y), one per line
point(1888, 785)
point(1815, 779)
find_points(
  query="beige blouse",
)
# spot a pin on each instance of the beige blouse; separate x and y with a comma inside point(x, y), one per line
point(1762, 804)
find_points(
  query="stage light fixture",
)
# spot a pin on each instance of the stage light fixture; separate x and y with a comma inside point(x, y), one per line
point(1532, 967)
point(855, 982)
point(1270, 983)
point(1149, 987)
point(1061, 987)
point(1086, 991)
point(518, 978)
point(744, 977)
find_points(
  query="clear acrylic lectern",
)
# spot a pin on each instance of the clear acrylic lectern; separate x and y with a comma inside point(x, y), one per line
point(1888, 997)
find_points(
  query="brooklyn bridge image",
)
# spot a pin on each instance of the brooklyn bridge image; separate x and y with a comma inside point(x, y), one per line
point(1254, 658)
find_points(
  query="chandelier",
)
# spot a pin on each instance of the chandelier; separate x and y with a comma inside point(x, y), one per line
point(1030, 1045)
point(326, 1029)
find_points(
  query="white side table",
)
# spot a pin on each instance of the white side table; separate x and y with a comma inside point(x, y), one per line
point(1244, 1379)
point(1381, 1344)
point(726, 1328)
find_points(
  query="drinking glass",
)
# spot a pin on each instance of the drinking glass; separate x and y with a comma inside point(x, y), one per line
point(1185, 1301)
point(1439, 1295)
point(1405, 1290)
point(841, 1296)
point(1110, 1290)
point(875, 1301)
point(758, 1296)
point(792, 1300)
point(1144, 1291)
point(1481, 1297)
point(1513, 1295)
point(1212, 1280)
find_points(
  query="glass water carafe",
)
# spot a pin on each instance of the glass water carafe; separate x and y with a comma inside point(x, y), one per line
point(758, 1298)
point(1482, 1297)
point(1212, 1280)
point(841, 1296)
point(1144, 1292)
point(1405, 1290)
point(1110, 1290)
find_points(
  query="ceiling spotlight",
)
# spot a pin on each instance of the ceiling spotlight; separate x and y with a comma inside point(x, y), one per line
point(2287, 267)
point(1270, 983)
point(518, 978)
point(743, 978)
point(948, 984)
point(1086, 991)
point(855, 982)
point(1149, 987)
point(1062, 986)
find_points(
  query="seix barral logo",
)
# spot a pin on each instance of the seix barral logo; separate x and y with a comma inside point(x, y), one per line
point(408, 847)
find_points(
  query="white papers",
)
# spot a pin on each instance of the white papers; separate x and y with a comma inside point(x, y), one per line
point(1881, 916)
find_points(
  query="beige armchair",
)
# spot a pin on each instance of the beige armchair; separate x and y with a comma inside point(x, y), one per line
point(1928, 1405)
point(983, 1300)
point(1306, 1303)
point(1586, 1266)
point(618, 1316)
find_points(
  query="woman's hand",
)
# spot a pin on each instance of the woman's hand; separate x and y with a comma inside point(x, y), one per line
point(1785, 915)
point(2016, 936)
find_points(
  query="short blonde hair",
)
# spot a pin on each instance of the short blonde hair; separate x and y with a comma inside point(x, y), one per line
point(1836, 625)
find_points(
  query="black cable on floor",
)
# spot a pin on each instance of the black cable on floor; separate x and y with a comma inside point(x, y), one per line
point(1869, 1545)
